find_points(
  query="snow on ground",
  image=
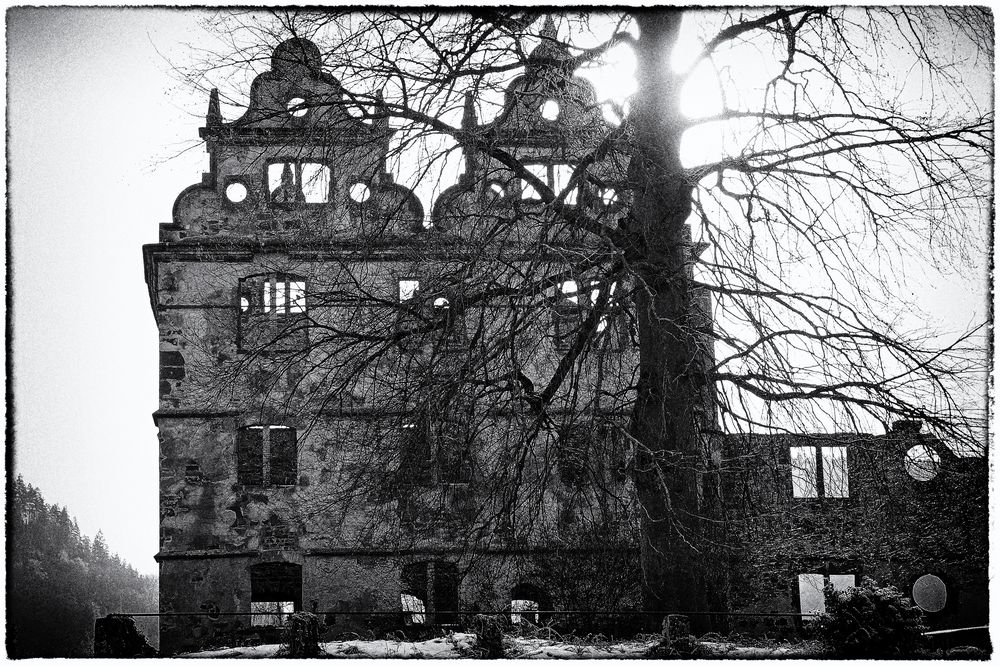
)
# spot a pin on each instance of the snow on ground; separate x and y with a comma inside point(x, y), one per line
point(730, 650)
point(546, 648)
point(460, 645)
point(455, 645)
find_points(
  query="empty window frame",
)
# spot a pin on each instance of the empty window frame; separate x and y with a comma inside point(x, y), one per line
point(275, 591)
point(523, 610)
point(812, 600)
point(556, 176)
point(272, 313)
point(266, 456)
point(437, 451)
point(449, 324)
point(527, 600)
point(574, 446)
point(271, 613)
point(572, 307)
point(279, 295)
point(414, 611)
point(436, 582)
point(415, 463)
point(298, 182)
point(819, 472)
point(407, 289)
point(454, 458)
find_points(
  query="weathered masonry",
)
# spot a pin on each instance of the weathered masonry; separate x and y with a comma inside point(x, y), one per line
point(345, 420)
point(900, 508)
point(296, 473)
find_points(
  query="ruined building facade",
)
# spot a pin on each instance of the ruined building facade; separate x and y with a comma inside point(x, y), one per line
point(346, 419)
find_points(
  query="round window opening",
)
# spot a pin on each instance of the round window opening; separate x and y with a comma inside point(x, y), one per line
point(930, 593)
point(236, 192)
point(550, 110)
point(360, 192)
point(922, 463)
point(295, 107)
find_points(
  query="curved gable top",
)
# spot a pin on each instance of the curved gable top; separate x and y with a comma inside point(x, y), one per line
point(295, 95)
point(547, 76)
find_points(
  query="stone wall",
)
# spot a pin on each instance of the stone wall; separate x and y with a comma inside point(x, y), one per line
point(890, 527)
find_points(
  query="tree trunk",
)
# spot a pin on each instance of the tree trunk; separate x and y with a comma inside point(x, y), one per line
point(683, 566)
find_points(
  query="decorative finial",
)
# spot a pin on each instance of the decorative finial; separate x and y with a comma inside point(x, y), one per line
point(214, 116)
point(550, 51)
point(469, 124)
point(380, 122)
point(380, 126)
point(469, 120)
point(549, 29)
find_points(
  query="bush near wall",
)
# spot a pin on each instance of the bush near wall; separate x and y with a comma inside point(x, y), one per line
point(870, 621)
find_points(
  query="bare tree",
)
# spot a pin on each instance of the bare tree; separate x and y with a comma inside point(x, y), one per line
point(757, 290)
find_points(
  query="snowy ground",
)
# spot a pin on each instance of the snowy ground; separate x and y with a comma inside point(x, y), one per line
point(460, 645)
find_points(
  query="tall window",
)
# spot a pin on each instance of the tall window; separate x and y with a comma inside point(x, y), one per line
point(819, 472)
point(266, 456)
point(415, 465)
point(434, 450)
point(434, 581)
point(450, 325)
point(418, 313)
point(272, 310)
point(298, 182)
point(812, 600)
point(556, 176)
point(278, 295)
point(572, 306)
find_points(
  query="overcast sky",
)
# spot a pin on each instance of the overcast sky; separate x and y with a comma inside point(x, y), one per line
point(93, 117)
point(101, 140)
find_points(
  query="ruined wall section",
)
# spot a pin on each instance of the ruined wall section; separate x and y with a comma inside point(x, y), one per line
point(890, 527)
point(353, 511)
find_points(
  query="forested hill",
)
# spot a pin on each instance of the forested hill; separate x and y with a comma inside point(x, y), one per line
point(59, 581)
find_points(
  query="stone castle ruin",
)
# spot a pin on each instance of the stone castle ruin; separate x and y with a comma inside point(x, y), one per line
point(345, 419)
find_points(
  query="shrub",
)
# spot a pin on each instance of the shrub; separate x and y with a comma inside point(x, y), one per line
point(870, 621)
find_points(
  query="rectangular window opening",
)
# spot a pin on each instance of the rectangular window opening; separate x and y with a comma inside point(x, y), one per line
point(541, 172)
point(804, 472)
point(819, 472)
point(298, 182)
point(835, 472)
point(811, 599)
point(407, 289)
point(562, 173)
point(266, 456)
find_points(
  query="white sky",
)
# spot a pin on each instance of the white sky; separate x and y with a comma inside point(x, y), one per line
point(92, 115)
point(101, 140)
